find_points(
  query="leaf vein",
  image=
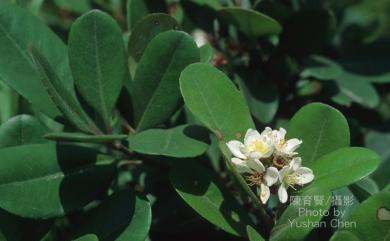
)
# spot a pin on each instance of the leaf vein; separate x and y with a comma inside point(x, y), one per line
point(148, 106)
point(99, 74)
point(321, 132)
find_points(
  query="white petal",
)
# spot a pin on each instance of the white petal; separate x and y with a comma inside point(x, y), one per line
point(250, 136)
point(283, 172)
point(264, 193)
point(282, 193)
point(269, 152)
point(266, 132)
point(305, 175)
point(241, 165)
point(270, 146)
point(235, 147)
point(271, 176)
point(255, 165)
point(291, 145)
point(258, 155)
point(295, 163)
point(282, 132)
point(278, 135)
point(255, 155)
point(248, 132)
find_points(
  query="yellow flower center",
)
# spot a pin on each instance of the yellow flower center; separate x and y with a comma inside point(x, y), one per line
point(258, 146)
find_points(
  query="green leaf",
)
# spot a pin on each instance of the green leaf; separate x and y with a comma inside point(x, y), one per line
point(88, 237)
point(170, 212)
point(137, 9)
point(52, 125)
point(371, 220)
point(364, 188)
point(18, 31)
point(291, 224)
point(32, 5)
point(146, 29)
point(262, 97)
point(208, 196)
point(241, 182)
point(79, 137)
point(374, 70)
point(45, 180)
point(215, 101)
point(21, 130)
point(213, 153)
point(206, 53)
point(378, 141)
point(377, 79)
point(321, 68)
point(346, 204)
point(63, 98)
point(78, 6)
point(8, 95)
point(250, 22)
point(367, 22)
point(123, 216)
point(181, 141)
point(308, 88)
point(14, 228)
point(227, 155)
point(253, 235)
point(321, 127)
point(343, 167)
point(345, 235)
point(97, 57)
point(214, 4)
point(156, 94)
point(354, 88)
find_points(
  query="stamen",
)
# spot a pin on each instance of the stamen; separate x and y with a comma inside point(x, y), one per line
point(279, 161)
point(255, 179)
point(292, 180)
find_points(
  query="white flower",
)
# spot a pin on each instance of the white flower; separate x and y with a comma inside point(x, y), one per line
point(258, 175)
point(292, 175)
point(255, 146)
point(282, 166)
point(270, 178)
point(282, 147)
point(248, 166)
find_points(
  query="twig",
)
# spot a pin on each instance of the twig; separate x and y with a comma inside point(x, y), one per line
point(118, 145)
point(265, 218)
point(130, 162)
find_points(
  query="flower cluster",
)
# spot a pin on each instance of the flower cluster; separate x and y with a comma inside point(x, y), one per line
point(268, 160)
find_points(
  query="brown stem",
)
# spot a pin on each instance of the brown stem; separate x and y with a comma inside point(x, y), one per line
point(128, 127)
point(119, 146)
point(130, 162)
